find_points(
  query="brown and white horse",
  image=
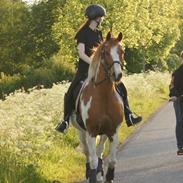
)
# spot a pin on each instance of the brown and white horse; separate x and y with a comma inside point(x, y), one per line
point(101, 108)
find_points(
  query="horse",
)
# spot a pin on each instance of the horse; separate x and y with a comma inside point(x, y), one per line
point(101, 108)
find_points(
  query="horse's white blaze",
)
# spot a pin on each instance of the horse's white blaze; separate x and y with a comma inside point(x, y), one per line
point(85, 109)
point(115, 57)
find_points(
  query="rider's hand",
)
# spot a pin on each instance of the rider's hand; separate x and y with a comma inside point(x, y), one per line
point(173, 98)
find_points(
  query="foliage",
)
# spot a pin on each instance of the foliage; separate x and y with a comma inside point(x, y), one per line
point(30, 35)
point(134, 60)
point(179, 45)
point(173, 62)
point(13, 32)
point(40, 42)
point(53, 71)
point(150, 28)
point(25, 35)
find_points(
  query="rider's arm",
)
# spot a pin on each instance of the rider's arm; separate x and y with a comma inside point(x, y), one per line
point(81, 52)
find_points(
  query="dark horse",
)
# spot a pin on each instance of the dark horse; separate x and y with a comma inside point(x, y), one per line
point(101, 108)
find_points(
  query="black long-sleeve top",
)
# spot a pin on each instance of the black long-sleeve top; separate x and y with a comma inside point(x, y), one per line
point(176, 85)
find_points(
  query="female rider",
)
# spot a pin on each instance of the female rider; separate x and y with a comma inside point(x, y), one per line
point(88, 37)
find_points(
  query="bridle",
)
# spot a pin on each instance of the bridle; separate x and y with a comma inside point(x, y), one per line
point(107, 67)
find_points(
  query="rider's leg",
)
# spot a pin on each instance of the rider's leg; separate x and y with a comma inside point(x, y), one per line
point(130, 117)
point(69, 102)
point(68, 108)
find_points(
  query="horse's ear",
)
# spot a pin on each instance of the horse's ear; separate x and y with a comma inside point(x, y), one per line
point(108, 36)
point(120, 37)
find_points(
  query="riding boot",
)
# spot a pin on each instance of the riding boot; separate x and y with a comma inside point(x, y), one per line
point(130, 117)
point(64, 124)
point(69, 102)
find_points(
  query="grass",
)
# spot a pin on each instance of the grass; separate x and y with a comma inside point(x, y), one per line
point(32, 152)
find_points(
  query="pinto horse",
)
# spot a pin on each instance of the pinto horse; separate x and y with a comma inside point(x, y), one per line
point(101, 108)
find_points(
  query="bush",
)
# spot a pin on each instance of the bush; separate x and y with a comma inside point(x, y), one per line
point(52, 71)
point(41, 76)
point(173, 61)
point(134, 60)
point(62, 70)
point(9, 84)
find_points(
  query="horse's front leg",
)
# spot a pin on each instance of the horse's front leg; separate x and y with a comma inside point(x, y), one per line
point(112, 158)
point(100, 149)
point(93, 159)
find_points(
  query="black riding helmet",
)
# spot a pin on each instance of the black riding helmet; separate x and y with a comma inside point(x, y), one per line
point(95, 10)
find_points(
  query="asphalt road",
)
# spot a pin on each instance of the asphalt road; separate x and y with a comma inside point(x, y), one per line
point(149, 156)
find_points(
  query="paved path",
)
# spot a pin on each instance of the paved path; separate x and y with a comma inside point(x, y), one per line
point(149, 156)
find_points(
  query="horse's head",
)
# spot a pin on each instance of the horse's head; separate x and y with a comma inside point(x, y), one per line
point(112, 56)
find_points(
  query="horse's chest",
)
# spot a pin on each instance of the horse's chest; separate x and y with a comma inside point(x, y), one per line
point(100, 115)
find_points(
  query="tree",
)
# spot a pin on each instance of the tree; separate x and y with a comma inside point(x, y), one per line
point(179, 45)
point(40, 42)
point(13, 30)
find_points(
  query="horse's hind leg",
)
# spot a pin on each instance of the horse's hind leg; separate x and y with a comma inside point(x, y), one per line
point(100, 149)
point(112, 158)
point(91, 142)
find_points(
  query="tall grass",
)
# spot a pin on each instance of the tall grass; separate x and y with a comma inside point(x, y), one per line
point(30, 149)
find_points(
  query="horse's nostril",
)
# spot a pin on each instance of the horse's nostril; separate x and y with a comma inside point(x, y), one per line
point(117, 77)
point(120, 75)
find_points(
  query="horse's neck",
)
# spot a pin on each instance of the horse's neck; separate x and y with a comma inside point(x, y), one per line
point(106, 84)
point(97, 76)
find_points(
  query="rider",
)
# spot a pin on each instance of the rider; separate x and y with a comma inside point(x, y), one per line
point(88, 37)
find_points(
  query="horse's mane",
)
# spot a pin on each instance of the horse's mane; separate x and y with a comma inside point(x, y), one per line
point(94, 66)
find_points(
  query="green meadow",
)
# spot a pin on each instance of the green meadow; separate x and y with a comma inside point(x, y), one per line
point(31, 151)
